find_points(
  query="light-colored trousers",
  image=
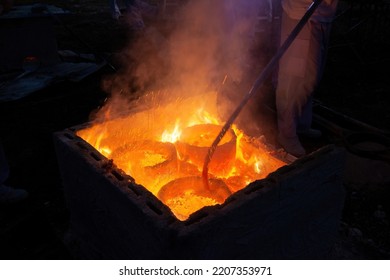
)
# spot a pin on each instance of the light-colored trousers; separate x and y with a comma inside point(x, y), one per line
point(300, 70)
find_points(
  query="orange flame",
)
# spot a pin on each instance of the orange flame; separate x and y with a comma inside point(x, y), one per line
point(144, 145)
point(174, 135)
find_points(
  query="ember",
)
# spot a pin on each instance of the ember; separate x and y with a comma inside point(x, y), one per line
point(163, 149)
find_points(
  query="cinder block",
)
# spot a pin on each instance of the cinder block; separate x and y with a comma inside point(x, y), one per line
point(294, 213)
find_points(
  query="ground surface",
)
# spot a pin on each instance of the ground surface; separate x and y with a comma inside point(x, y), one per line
point(356, 84)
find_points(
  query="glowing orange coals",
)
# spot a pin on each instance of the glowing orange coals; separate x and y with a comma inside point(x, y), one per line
point(163, 148)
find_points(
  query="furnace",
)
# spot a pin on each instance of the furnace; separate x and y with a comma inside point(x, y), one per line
point(128, 199)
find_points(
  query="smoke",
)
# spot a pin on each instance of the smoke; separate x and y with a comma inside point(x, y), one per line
point(211, 40)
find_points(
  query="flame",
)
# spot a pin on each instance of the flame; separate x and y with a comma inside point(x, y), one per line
point(205, 117)
point(95, 138)
point(172, 136)
point(258, 165)
point(145, 145)
point(239, 151)
point(105, 151)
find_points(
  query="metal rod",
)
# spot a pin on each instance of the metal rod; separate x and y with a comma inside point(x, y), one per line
point(258, 82)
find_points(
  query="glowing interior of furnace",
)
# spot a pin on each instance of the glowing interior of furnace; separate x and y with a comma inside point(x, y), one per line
point(163, 148)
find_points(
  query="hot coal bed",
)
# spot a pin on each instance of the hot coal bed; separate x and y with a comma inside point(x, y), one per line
point(293, 213)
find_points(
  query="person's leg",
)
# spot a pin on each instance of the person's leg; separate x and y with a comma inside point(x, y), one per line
point(294, 86)
point(320, 33)
point(319, 38)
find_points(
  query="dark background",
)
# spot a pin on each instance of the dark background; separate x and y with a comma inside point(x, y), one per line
point(356, 83)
